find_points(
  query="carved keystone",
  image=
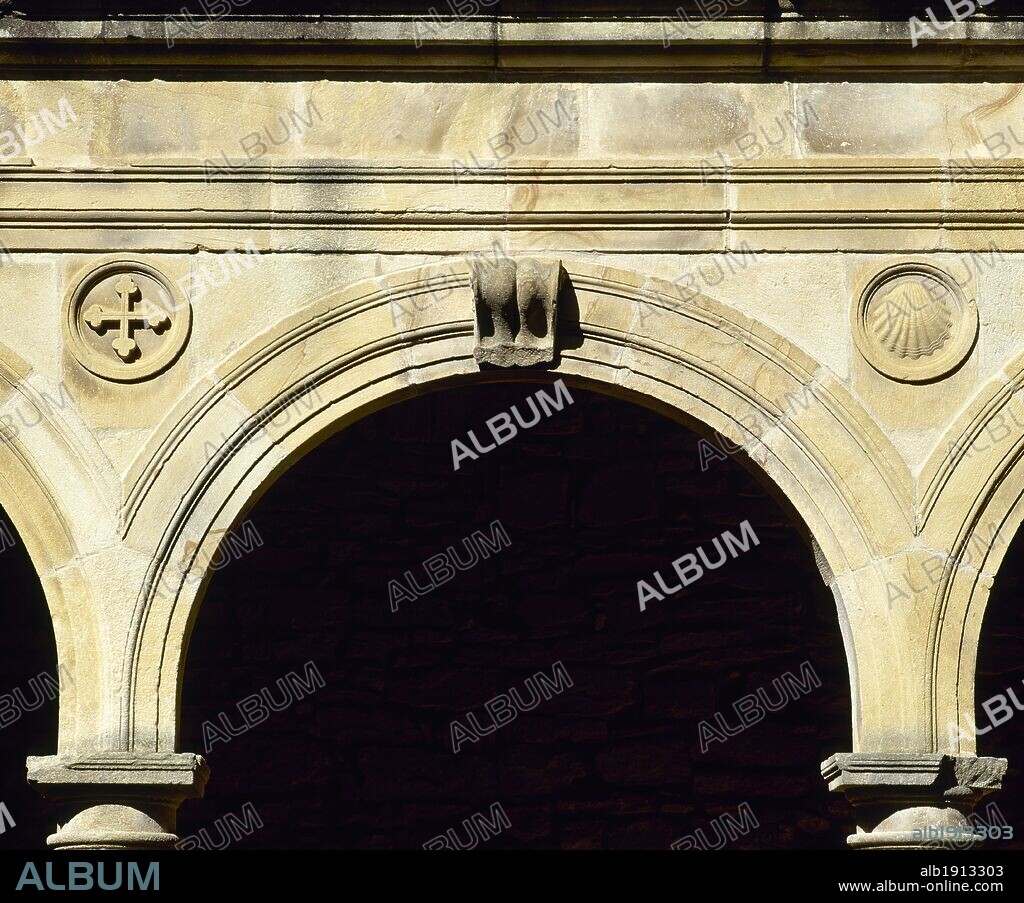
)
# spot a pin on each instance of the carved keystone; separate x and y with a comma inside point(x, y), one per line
point(516, 303)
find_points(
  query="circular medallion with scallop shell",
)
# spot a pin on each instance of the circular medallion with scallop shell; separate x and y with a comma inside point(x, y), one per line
point(913, 323)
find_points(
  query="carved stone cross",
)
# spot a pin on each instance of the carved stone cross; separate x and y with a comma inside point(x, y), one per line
point(127, 319)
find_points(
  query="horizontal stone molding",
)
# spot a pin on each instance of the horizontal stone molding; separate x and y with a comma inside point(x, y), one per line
point(593, 47)
point(890, 206)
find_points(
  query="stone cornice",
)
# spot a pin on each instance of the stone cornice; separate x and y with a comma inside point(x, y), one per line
point(503, 47)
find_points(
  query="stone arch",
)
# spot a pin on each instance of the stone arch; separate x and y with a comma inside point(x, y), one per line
point(362, 348)
point(47, 504)
point(972, 504)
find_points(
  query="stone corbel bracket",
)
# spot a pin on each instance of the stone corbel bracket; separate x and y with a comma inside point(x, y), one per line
point(516, 310)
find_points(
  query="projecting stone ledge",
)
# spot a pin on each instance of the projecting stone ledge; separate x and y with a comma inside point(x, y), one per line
point(128, 801)
point(897, 797)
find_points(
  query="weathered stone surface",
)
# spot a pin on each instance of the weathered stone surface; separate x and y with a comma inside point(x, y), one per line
point(331, 244)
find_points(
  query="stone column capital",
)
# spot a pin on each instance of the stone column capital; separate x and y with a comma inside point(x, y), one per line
point(128, 800)
point(895, 794)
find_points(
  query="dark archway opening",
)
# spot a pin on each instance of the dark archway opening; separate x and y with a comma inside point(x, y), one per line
point(593, 498)
point(1000, 677)
point(29, 694)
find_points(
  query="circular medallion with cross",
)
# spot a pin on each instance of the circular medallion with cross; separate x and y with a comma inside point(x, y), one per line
point(124, 321)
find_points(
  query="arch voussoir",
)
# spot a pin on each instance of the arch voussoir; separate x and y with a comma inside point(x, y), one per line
point(378, 342)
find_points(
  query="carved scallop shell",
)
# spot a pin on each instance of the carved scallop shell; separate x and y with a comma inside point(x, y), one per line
point(914, 323)
point(911, 320)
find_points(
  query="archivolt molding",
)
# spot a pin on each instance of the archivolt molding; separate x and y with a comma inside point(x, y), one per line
point(972, 504)
point(42, 466)
point(385, 339)
point(968, 489)
point(951, 473)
